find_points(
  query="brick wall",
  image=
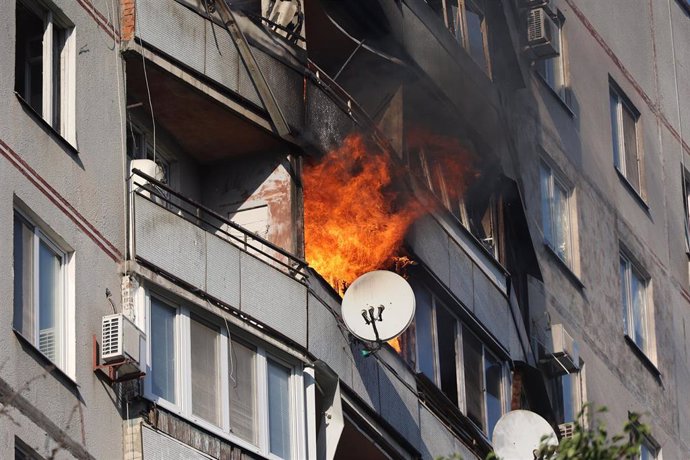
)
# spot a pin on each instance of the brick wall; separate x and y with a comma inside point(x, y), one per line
point(128, 9)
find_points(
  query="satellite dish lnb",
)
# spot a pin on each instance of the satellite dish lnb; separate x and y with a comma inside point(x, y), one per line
point(519, 433)
point(378, 306)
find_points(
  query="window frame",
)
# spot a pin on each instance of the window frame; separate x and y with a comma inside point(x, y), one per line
point(620, 161)
point(633, 268)
point(183, 379)
point(65, 308)
point(58, 71)
point(461, 328)
point(556, 179)
point(545, 67)
point(464, 34)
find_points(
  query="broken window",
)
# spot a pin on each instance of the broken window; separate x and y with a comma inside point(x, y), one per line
point(44, 65)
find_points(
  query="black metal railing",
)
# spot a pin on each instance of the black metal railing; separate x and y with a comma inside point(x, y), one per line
point(207, 219)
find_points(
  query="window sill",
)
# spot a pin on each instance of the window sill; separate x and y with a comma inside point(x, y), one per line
point(561, 100)
point(644, 358)
point(636, 194)
point(49, 366)
point(55, 134)
point(564, 267)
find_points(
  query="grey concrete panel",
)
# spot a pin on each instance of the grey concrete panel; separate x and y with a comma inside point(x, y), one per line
point(223, 272)
point(430, 243)
point(461, 277)
point(173, 29)
point(327, 342)
point(273, 298)
point(365, 379)
point(491, 308)
point(169, 242)
point(400, 407)
point(437, 441)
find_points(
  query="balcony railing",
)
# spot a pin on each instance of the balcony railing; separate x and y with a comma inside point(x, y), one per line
point(145, 189)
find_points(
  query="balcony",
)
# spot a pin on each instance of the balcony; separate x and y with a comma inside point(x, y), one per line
point(215, 258)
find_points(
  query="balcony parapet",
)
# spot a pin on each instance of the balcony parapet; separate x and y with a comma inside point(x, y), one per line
point(206, 253)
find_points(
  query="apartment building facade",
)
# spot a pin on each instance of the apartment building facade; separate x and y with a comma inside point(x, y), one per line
point(163, 160)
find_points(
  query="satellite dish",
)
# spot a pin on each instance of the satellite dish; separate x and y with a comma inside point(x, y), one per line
point(378, 306)
point(518, 434)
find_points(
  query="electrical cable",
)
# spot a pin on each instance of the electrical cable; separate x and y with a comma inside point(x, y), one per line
point(148, 91)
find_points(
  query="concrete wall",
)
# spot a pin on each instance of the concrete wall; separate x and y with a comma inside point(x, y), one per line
point(636, 51)
point(80, 198)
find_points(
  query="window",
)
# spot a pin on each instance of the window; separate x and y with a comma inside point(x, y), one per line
point(457, 361)
point(555, 214)
point(568, 395)
point(552, 70)
point(40, 291)
point(23, 452)
point(224, 383)
point(624, 137)
point(45, 65)
point(634, 303)
point(466, 20)
point(647, 450)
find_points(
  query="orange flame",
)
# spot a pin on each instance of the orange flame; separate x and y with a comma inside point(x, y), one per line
point(355, 217)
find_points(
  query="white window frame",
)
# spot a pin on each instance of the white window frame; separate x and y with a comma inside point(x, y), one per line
point(65, 310)
point(183, 381)
point(459, 362)
point(556, 180)
point(67, 71)
point(631, 267)
point(619, 153)
point(553, 70)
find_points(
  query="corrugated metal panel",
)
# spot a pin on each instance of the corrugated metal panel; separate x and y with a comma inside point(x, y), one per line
point(223, 60)
point(246, 87)
point(274, 298)
point(173, 29)
point(223, 270)
point(286, 85)
point(326, 123)
point(166, 240)
point(157, 446)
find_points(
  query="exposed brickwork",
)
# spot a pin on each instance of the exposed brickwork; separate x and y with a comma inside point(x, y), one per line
point(128, 9)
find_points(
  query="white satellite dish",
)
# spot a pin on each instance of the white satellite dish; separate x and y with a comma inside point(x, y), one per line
point(378, 306)
point(519, 433)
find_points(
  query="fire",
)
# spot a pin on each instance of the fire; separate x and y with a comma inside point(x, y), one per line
point(355, 214)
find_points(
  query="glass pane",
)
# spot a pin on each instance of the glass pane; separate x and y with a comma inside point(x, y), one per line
point(625, 298)
point(49, 302)
point(445, 330)
point(639, 310)
point(561, 223)
point(615, 139)
point(23, 281)
point(279, 409)
point(472, 358)
point(425, 338)
point(546, 218)
point(647, 452)
point(29, 57)
point(631, 160)
point(242, 379)
point(205, 372)
point(493, 372)
point(475, 34)
point(163, 350)
point(570, 397)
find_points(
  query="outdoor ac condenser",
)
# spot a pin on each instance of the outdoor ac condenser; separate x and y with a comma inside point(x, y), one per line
point(123, 342)
point(541, 30)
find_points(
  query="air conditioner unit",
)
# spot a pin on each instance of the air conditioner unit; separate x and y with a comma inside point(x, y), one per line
point(541, 29)
point(564, 356)
point(566, 430)
point(123, 343)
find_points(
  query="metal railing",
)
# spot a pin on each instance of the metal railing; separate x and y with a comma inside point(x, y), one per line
point(209, 220)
